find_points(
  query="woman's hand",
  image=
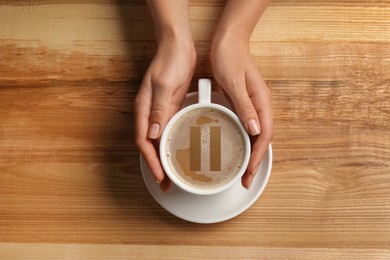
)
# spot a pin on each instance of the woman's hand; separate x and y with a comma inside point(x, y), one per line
point(240, 79)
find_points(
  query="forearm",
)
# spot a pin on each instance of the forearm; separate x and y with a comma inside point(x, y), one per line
point(239, 19)
point(171, 20)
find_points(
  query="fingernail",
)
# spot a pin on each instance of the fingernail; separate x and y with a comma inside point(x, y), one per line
point(158, 182)
point(250, 182)
point(153, 131)
point(253, 127)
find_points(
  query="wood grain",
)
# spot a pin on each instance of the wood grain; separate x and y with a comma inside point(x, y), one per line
point(71, 251)
point(70, 183)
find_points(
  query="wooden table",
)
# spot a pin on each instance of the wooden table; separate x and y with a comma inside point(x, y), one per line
point(70, 182)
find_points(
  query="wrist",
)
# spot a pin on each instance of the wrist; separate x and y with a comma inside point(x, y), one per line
point(235, 33)
point(229, 39)
point(175, 34)
point(177, 42)
point(179, 38)
point(171, 20)
point(184, 46)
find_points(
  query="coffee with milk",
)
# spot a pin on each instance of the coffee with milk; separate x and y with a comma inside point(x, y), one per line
point(205, 148)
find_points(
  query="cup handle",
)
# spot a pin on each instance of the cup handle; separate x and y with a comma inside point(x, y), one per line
point(204, 91)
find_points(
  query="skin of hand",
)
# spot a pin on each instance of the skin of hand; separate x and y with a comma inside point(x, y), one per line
point(166, 81)
point(239, 78)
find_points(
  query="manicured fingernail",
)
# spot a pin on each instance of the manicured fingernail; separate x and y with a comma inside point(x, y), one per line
point(253, 127)
point(153, 131)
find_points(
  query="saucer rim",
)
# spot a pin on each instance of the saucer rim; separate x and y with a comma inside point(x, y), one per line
point(145, 169)
point(226, 217)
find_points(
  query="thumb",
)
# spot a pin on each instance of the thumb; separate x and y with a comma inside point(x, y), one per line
point(159, 114)
point(246, 112)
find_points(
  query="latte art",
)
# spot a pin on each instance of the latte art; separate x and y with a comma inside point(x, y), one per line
point(205, 148)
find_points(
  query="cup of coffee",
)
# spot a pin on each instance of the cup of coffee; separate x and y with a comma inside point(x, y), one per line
point(204, 148)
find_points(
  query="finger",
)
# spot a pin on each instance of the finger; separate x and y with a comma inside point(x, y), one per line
point(165, 185)
point(161, 107)
point(261, 98)
point(142, 107)
point(259, 149)
point(177, 99)
point(242, 103)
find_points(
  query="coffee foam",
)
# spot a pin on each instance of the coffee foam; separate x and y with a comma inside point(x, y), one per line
point(232, 148)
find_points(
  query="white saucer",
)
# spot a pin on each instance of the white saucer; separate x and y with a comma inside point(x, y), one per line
point(209, 208)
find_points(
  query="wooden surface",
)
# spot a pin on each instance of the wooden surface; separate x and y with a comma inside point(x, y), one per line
point(70, 183)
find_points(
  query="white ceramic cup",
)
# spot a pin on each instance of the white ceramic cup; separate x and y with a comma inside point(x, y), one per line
point(204, 93)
